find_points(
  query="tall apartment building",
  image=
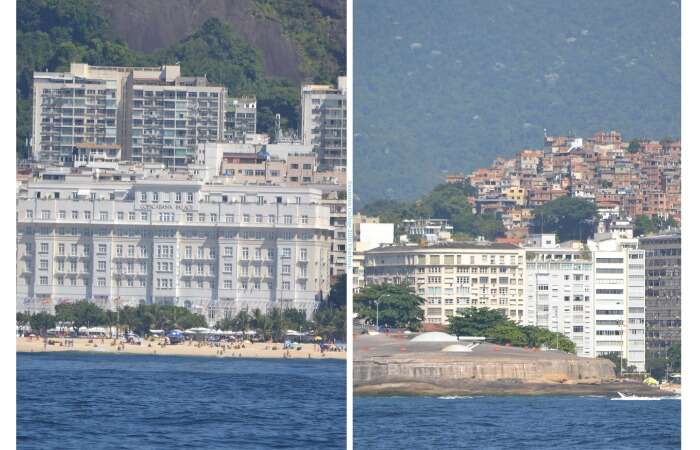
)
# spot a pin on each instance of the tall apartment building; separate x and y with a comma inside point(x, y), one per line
point(70, 109)
point(663, 292)
point(454, 276)
point(155, 114)
point(560, 293)
point(213, 248)
point(619, 298)
point(323, 122)
point(240, 119)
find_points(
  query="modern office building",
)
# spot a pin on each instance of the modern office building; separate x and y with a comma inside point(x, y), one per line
point(154, 113)
point(241, 119)
point(323, 122)
point(170, 238)
point(454, 276)
point(560, 292)
point(663, 292)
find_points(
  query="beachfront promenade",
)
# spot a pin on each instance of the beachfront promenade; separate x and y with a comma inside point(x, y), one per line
point(253, 350)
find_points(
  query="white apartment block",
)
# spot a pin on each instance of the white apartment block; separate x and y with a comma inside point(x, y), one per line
point(560, 293)
point(620, 299)
point(323, 122)
point(213, 248)
point(155, 114)
point(454, 276)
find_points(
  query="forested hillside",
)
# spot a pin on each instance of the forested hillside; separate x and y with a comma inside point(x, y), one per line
point(53, 33)
point(448, 86)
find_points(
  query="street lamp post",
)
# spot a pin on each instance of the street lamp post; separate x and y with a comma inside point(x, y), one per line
point(376, 324)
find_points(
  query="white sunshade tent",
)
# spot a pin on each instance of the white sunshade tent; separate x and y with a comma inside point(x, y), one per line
point(294, 333)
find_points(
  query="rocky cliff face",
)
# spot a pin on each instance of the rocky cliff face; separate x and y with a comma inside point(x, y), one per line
point(455, 373)
point(154, 24)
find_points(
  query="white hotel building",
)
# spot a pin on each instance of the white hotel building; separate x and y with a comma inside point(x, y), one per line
point(172, 239)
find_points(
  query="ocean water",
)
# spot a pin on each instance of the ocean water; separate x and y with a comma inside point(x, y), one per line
point(515, 423)
point(75, 401)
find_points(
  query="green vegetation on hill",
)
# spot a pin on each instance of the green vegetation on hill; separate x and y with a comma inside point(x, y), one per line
point(492, 324)
point(645, 225)
point(445, 201)
point(447, 88)
point(53, 33)
point(570, 218)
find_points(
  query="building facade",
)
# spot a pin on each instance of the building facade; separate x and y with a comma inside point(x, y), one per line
point(241, 119)
point(454, 276)
point(213, 248)
point(663, 292)
point(620, 299)
point(154, 113)
point(323, 122)
point(560, 294)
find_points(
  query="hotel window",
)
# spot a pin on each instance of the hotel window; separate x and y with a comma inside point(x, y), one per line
point(285, 285)
point(202, 217)
point(213, 218)
point(101, 282)
point(270, 253)
point(286, 269)
point(244, 284)
point(246, 218)
point(101, 266)
point(30, 214)
point(130, 267)
point(287, 219)
point(144, 197)
point(286, 252)
point(178, 197)
point(228, 284)
point(303, 271)
point(188, 252)
point(101, 249)
point(166, 197)
point(44, 247)
point(212, 253)
point(61, 249)
point(271, 218)
point(154, 196)
point(120, 215)
point(144, 216)
point(258, 218)
point(73, 267)
point(119, 249)
point(87, 215)
point(256, 284)
point(258, 254)
point(45, 214)
point(244, 253)
point(43, 280)
point(190, 197)
point(59, 280)
point(74, 214)
point(228, 268)
point(74, 249)
point(304, 219)
point(302, 254)
point(103, 215)
point(200, 252)
point(189, 217)
point(228, 251)
point(62, 214)
point(229, 218)
point(44, 264)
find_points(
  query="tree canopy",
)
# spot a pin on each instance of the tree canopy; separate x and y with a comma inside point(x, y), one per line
point(570, 218)
point(399, 306)
point(492, 324)
point(446, 201)
point(645, 225)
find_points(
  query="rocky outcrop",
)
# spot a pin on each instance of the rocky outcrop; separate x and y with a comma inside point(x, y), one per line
point(455, 373)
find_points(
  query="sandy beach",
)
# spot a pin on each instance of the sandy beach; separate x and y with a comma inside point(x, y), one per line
point(255, 350)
